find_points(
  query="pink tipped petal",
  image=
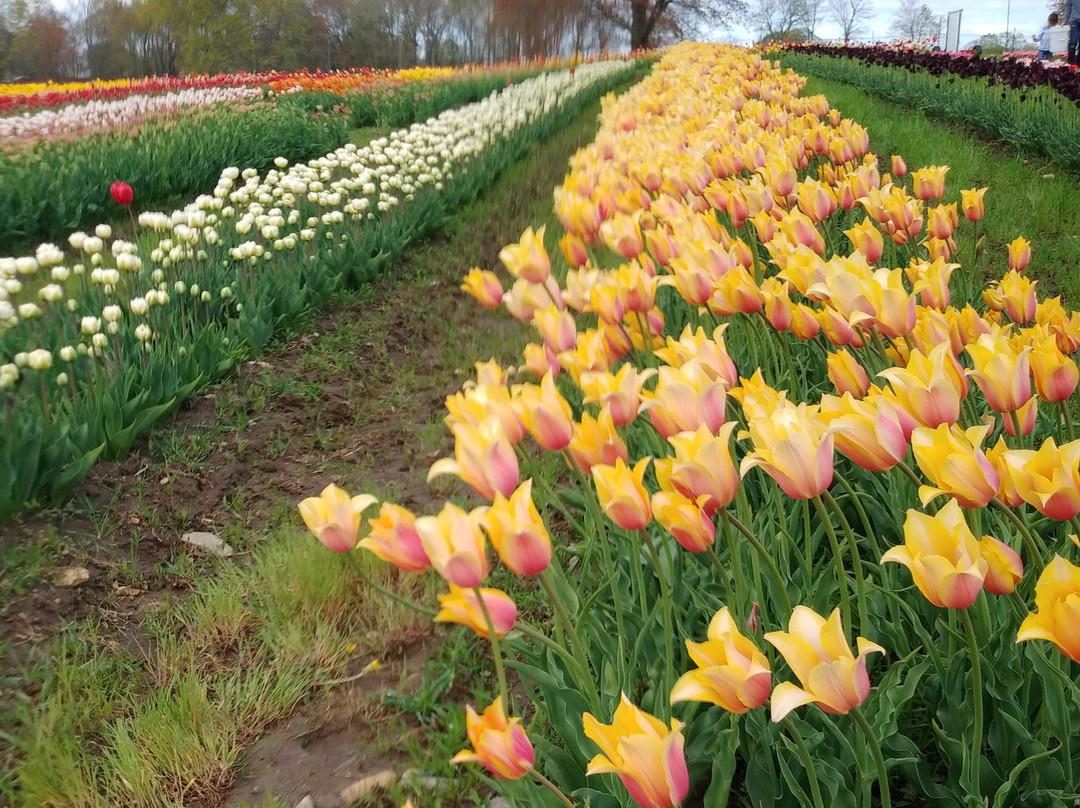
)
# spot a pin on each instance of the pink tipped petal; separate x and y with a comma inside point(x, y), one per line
point(336, 539)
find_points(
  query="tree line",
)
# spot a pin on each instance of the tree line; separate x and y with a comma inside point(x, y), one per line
point(122, 38)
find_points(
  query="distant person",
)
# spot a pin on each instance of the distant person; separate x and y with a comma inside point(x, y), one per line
point(1072, 19)
point(1043, 38)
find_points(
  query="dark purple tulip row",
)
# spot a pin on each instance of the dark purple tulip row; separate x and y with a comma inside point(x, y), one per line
point(1010, 72)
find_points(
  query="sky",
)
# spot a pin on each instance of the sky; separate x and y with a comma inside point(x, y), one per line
point(1025, 17)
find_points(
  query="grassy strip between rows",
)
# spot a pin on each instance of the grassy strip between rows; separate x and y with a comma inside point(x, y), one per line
point(1027, 196)
point(1037, 121)
point(165, 724)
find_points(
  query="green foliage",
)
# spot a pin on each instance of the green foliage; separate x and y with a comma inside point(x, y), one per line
point(1036, 121)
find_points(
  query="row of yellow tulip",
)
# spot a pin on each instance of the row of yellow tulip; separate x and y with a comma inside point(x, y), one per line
point(715, 196)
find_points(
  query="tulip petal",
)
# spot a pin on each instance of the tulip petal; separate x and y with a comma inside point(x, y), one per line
point(787, 697)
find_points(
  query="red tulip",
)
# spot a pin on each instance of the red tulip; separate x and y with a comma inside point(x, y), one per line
point(122, 193)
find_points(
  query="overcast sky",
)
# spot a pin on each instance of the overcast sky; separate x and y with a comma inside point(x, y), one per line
point(1025, 17)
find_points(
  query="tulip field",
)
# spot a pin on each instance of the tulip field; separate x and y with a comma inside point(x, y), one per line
point(780, 505)
point(818, 484)
point(1028, 105)
point(105, 335)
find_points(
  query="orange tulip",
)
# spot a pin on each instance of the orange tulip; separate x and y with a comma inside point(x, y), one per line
point(899, 167)
point(1055, 373)
point(685, 520)
point(972, 203)
point(846, 374)
point(574, 250)
point(1047, 479)
point(483, 458)
point(393, 538)
point(929, 182)
point(334, 517)
point(866, 238)
point(943, 557)
point(817, 653)
point(596, 441)
point(622, 494)
point(620, 392)
point(1003, 375)
point(684, 399)
point(1057, 600)
point(1004, 569)
point(1019, 254)
point(731, 672)
point(646, 755)
point(1026, 417)
point(546, 414)
point(462, 606)
point(517, 532)
point(484, 286)
point(793, 448)
point(455, 544)
point(868, 432)
point(702, 468)
point(527, 259)
point(1018, 296)
point(930, 387)
point(622, 234)
point(952, 459)
point(710, 355)
point(499, 744)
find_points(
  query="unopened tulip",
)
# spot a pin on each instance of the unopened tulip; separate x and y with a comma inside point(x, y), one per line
point(499, 744)
point(484, 286)
point(455, 544)
point(846, 374)
point(122, 193)
point(1018, 296)
point(899, 167)
point(527, 259)
point(622, 494)
point(684, 519)
point(1025, 419)
point(1019, 254)
point(646, 755)
point(394, 539)
point(794, 448)
point(334, 517)
point(574, 250)
point(462, 606)
point(1057, 601)
point(817, 653)
point(1004, 569)
point(943, 557)
point(596, 441)
point(866, 238)
point(731, 672)
point(953, 460)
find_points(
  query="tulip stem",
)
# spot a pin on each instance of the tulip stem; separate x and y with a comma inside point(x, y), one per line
point(1064, 405)
point(592, 506)
point(669, 629)
point(768, 559)
point(736, 564)
point(1033, 549)
point(879, 761)
point(807, 761)
point(867, 527)
point(841, 571)
point(571, 629)
point(716, 562)
point(500, 674)
point(1019, 436)
point(856, 561)
point(550, 786)
point(394, 596)
point(974, 776)
point(911, 475)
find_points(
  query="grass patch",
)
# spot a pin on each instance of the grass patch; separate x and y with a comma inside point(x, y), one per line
point(1028, 196)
